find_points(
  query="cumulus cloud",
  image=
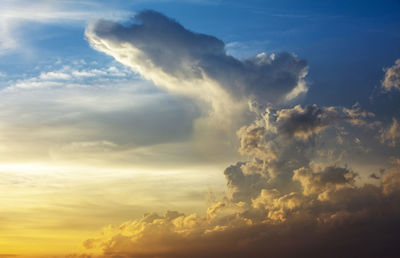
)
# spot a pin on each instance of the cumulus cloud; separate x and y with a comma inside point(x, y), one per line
point(303, 122)
point(278, 126)
point(286, 140)
point(346, 221)
point(279, 205)
point(392, 77)
point(196, 65)
point(322, 181)
point(243, 186)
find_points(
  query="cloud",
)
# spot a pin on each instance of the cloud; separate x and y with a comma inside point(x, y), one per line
point(15, 14)
point(392, 77)
point(81, 112)
point(349, 221)
point(71, 75)
point(321, 181)
point(391, 133)
point(281, 202)
point(294, 194)
point(303, 122)
point(196, 65)
point(243, 186)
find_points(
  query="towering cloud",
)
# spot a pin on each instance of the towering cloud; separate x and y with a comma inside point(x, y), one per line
point(162, 50)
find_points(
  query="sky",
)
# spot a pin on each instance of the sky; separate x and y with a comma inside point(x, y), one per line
point(199, 128)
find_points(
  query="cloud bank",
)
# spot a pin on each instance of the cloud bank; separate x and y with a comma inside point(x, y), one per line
point(280, 203)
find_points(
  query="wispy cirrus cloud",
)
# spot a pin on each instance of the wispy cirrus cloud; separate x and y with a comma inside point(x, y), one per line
point(14, 15)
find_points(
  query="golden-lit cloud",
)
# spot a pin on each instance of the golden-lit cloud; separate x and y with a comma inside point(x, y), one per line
point(328, 216)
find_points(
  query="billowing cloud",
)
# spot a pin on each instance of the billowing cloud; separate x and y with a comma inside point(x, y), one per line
point(280, 202)
point(392, 77)
point(321, 181)
point(329, 216)
point(196, 65)
point(303, 122)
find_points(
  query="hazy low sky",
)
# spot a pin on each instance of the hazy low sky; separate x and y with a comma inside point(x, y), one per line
point(251, 123)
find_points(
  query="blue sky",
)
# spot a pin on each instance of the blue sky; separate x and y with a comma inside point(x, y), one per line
point(347, 43)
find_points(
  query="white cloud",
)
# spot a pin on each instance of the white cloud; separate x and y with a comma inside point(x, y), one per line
point(75, 74)
point(55, 76)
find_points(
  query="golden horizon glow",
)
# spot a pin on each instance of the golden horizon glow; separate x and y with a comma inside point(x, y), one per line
point(51, 209)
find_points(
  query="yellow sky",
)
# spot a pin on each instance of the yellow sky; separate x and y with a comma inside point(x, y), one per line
point(52, 209)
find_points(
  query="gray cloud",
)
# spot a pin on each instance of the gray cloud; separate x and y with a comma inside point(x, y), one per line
point(243, 186)
point(303, 122)
point(162, 44)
